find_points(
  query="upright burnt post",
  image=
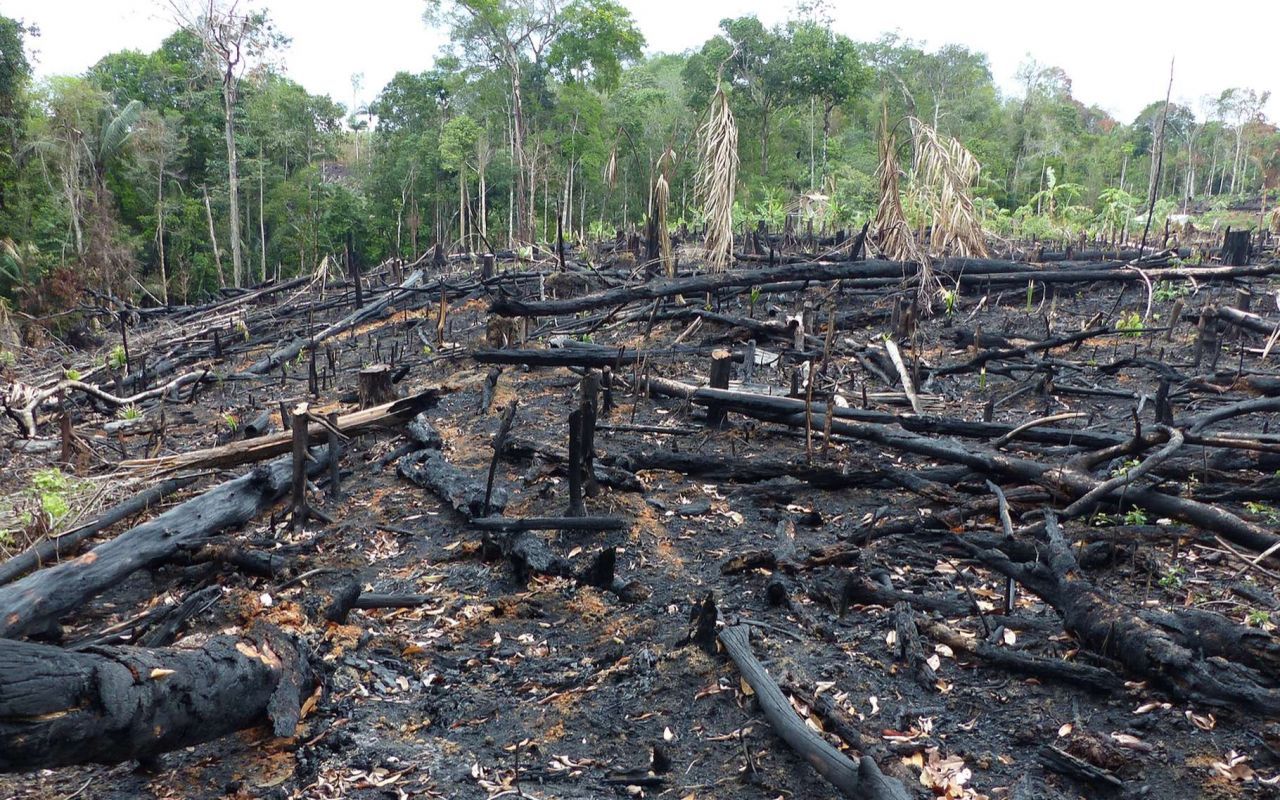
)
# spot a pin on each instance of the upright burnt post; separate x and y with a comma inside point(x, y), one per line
point(589, 404)
point(721, 364)
point(335, 456)
point(298, 503)
point(577, 508)
point(373, 385)
point(353, 267)
point(1236, 248)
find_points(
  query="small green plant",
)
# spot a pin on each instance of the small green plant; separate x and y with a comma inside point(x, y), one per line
point(242, 328)
point(754, 298)
point(51, 487)
point(116, 359)
point(1264, 510)
point(1101, 520)
point(231, 421)
point(1257, 619)
point(585, 337)
point(7, 358)
point(129, 412)
point(1172, 578)
point(1135, 516)
point(71, 374)
point(950, 297)
point(1130, 324)
point(1122, 471)
point(1168, 291)
point(982, 380)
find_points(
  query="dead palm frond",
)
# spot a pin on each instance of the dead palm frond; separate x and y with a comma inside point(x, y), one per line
point(893, 234)
point(717, 179)
point(661, 200)
point(611, 168)
point(943, 173)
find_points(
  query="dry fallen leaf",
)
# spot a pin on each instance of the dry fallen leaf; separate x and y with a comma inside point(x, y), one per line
point(1065, 730)
point(1204, 722)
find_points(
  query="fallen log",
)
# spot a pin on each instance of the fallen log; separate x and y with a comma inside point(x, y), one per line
point(862, 780)
point(753, 470)
point(461, 490)
point(1069, 479)
point(59, 546)
point(290, 351)
point(388, 415)
point(513, 524)
point(110, 704)
point(1198, 667)
point(38, 600)
point(858, 275)
point(698, 284)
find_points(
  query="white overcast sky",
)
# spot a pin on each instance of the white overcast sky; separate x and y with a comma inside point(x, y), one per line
point(1116, 53)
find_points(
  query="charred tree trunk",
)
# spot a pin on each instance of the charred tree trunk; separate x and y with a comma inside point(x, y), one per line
point(111, 704)
point(375, 386)
point(36, 601)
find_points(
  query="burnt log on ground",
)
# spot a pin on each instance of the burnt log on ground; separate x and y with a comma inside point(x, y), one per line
point(53, 549)
point(1071, 479)
point(751, 470)
point(464, 492)
point(1209, 666)
point(857, 275)
point(290, 351)
point(38, 600)
point(110, 704)
point(513, 524)
point(387, 415)
point(597, 357)
point(1094, 678)
point(862, 780)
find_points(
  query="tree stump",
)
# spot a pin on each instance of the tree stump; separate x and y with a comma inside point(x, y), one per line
point(721, 365)
point(374, 385)
point(1236, 248)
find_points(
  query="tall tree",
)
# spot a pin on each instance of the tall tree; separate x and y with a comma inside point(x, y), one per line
point(232, 39)
point(522, 38)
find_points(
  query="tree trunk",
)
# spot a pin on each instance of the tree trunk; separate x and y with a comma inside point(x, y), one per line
point(110, 704)
point(523, 177)
point(213, 237)
point(164, 273)
point(233, 175)
point(262, 219)
point(36, 601)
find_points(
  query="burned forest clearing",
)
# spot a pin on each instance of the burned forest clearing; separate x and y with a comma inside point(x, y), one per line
point(763, 415)
point(562, 530)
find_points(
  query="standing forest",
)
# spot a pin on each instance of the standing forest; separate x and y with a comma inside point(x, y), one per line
point(793, 416)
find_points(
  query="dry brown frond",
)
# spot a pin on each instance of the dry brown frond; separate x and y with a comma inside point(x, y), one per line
point(611, 168)
point(662, 199)
point(893, 235)
point(943, 173)
point(718, 178)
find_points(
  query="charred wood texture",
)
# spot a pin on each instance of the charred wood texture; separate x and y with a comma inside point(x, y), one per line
point(111, 704)
point(862, 780)
point(38, 600)
point(464, 492)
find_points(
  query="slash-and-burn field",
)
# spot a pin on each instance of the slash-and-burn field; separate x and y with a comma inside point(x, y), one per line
point(1022, 547)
